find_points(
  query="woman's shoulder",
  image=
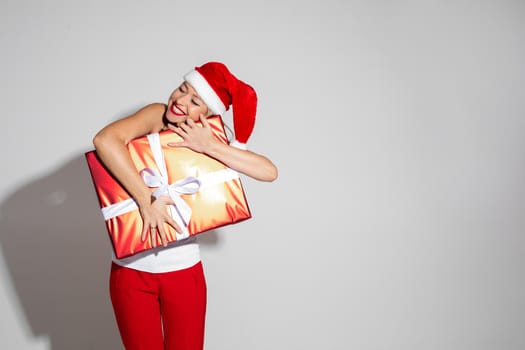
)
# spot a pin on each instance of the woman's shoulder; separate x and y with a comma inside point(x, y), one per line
point(153, 108)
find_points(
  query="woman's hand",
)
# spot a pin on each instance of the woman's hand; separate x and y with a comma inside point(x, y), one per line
point(201, 139)
point(194, 137)
point(153, 217)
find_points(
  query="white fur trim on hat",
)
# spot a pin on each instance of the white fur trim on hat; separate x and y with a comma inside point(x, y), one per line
point(205, 91)
point(238, 144)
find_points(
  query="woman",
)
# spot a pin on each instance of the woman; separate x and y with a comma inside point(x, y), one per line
point(159, 296)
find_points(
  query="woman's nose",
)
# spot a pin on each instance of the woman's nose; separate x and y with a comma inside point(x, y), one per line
point(180, 100)
point(183, 99)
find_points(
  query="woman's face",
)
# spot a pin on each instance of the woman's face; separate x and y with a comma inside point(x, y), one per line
point(184, 103)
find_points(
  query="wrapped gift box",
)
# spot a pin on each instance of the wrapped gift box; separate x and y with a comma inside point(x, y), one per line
point(207, 194)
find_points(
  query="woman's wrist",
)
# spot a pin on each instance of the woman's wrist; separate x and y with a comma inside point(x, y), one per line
point(211, 147)
point(145, 199)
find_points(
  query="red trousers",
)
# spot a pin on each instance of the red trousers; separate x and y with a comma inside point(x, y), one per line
point(159, 311)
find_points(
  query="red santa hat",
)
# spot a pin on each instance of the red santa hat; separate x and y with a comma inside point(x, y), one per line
point(220, 89)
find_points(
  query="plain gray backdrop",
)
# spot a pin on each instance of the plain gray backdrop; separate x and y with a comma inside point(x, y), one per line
point(397, 221)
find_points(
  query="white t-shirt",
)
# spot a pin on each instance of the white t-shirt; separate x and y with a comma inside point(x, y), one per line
point(176, 256)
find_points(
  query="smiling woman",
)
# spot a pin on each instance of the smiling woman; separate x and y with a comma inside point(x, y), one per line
point(159, 296)
point(185, 103)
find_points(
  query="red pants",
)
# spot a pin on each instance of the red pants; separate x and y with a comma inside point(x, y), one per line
point(159, 311)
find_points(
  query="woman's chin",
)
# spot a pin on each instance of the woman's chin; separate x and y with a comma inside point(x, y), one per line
point(173, 119)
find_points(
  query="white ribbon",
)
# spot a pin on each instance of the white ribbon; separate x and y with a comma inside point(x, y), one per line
point(180, 211)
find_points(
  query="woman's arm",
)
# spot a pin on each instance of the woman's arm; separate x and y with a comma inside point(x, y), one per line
point(200, 139)
point(110, 145)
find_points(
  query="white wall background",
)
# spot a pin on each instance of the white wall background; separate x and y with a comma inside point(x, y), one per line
point(398, 128)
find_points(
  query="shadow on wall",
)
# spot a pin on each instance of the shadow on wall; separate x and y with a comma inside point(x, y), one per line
point(58, 253)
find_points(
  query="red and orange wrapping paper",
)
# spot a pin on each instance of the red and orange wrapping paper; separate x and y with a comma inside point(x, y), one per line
point(207, 194)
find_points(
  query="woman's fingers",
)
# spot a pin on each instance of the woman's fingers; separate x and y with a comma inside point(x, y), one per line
point(162, 234)
point(159, 234)
point(145, 230)
point(153, 236)
point(173, 224)
point(154, 219)
point(204, 121)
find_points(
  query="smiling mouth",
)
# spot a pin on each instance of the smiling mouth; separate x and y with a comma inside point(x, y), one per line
point(176, 110)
